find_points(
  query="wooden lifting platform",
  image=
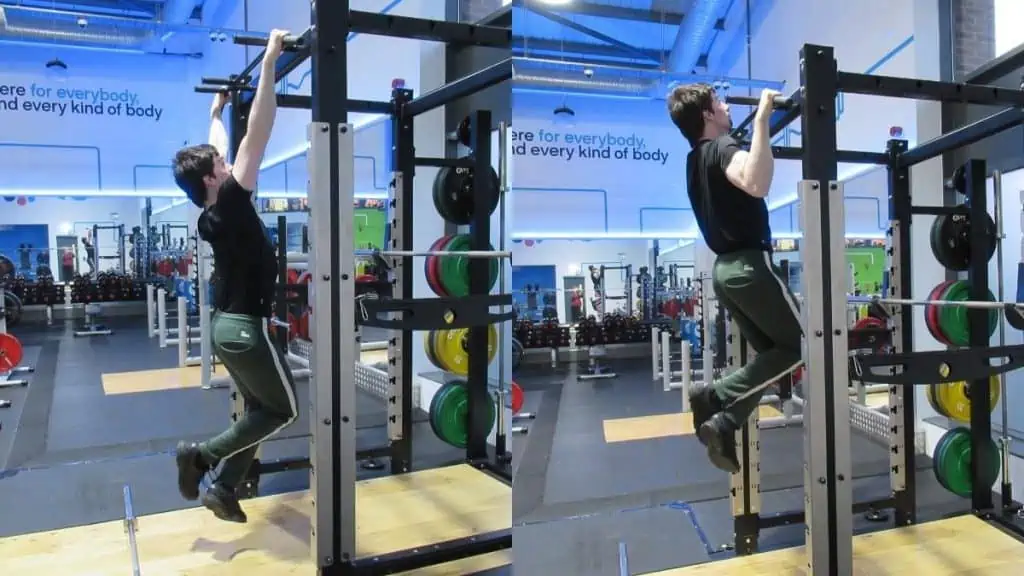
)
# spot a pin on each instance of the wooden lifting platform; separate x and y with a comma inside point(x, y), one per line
point(393, 513)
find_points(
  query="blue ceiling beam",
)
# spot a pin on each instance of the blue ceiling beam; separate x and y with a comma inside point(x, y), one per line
point(175, 13)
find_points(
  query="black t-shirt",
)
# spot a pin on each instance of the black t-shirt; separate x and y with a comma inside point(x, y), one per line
point(243, 255)
point(729, 218)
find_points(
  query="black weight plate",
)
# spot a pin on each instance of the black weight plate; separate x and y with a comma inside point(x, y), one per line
point(441, 184)
point(454, 201)
point(950, 240)
point(6, 266)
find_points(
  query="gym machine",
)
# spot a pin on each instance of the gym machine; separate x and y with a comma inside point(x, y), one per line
point(333, 447)
point(117, 240)
point(828, 413)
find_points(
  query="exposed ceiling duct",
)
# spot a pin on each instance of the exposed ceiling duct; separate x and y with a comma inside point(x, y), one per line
point(57, 26)
point(69, 28)
point(557, 75)
point(693, 34)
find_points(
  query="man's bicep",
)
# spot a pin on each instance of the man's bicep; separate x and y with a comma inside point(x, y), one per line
point(734, 165)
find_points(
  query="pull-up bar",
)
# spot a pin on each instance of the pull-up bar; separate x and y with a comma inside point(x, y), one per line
point(781, 118)
point(289, 43)
point(779, 102)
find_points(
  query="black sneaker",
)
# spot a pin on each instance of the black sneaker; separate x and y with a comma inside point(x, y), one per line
point(223, 502)
point(704, 403)
point(191, 470)
point(719, 435)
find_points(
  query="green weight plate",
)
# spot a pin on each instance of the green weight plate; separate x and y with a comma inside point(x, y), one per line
point(435, 403)
point(955, 463)
point(953, 319)
point(937, 457)
point(452, 417)
point(455, 269)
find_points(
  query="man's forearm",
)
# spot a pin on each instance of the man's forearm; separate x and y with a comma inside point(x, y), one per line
point(264, 105)
point(760, 166)
point(218, 134)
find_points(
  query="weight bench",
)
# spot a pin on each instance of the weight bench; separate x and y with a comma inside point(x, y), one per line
point(91, 328)
point(595, 368)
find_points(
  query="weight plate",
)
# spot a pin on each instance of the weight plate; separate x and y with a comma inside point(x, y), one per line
point(452, 411)
point(955, 462)
point(455, 269)
point(955, 399)
point(940, 446)
point(517, 397)
point(950, 240)
point(451, 348)
point(436, 266)
point(453, 193)
point(428, 348)
point(929, 392)
point(953, 320)
point(435, 410)
point(430, 266)
point(438, 195)
point(10, 352)
point(517, 353)
point(931, 318)
point(6, 266)
point(12, 309)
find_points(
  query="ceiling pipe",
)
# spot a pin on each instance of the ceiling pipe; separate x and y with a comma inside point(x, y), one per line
point(175, 13)
point(555, 75)
point(693, 34)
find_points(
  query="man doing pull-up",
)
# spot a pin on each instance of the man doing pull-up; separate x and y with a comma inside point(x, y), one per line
point(727, 187)
point(246, 277)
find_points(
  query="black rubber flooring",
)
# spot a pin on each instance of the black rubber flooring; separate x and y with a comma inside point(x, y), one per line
point(579, 503)
point(68, 449)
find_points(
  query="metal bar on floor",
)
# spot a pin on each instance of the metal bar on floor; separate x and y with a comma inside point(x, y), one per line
point(130, 527)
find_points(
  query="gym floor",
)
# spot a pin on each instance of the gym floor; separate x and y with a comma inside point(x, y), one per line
point(609, 464)
point(605, 464)
point(106, 411)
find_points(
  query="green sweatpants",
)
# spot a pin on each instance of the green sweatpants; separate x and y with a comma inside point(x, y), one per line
point(750, 287)
point(264, 381)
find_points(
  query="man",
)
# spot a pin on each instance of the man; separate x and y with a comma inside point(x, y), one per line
point(727, 188)
point(246, 277)
point(90, 253)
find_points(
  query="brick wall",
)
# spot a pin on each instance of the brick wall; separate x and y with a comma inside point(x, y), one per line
point(974, 42)
point(474, 10)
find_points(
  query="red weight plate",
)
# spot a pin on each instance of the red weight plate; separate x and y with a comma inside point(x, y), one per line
point(932, 312)
point(304, 325)
point(293, 276)
point(434, 267)
point(517, 398)
point(868, 322)
point(10, 352)
point(304, 278)
point(366, 278)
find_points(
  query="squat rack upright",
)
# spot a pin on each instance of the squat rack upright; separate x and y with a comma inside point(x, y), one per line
point(332, 264)
point(829, 370)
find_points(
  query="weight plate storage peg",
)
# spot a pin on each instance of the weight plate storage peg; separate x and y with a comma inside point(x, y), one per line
point(954, 399)
point(950, 240)
point(453, 193)
point(10, 352)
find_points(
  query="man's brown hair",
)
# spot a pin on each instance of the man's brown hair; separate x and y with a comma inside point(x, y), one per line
point(686, 105)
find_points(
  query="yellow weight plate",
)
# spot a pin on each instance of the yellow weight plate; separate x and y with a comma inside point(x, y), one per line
point(955, 400)
point(451, 348)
